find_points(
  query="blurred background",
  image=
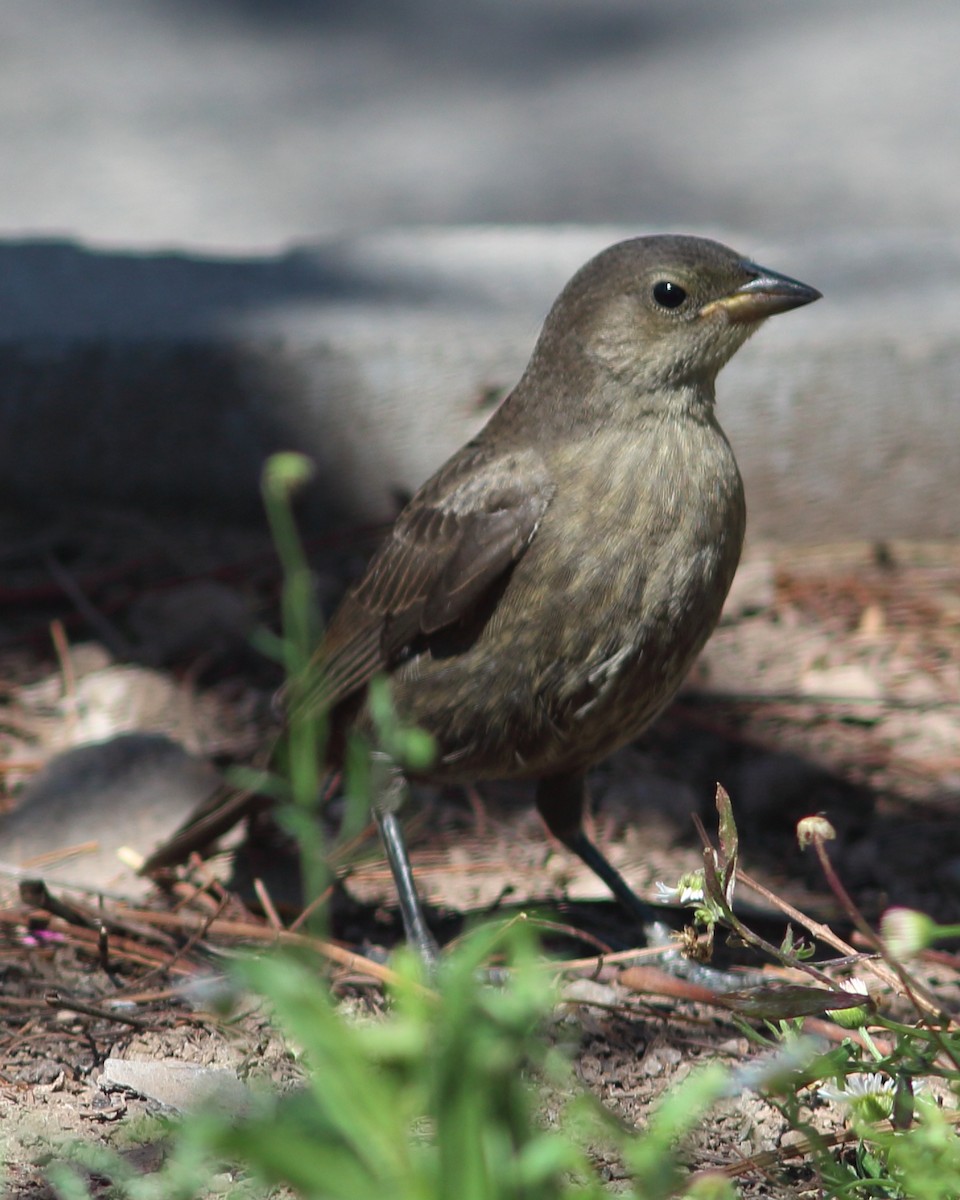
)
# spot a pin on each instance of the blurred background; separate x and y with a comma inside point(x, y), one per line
point(245, 125)
point(338, 226)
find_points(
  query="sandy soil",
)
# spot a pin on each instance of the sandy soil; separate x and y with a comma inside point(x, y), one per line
point(832, 685)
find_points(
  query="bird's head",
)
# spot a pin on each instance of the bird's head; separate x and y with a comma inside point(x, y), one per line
point(661, 312)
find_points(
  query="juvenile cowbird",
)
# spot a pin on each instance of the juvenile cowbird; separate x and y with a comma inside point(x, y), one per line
point(542, 596)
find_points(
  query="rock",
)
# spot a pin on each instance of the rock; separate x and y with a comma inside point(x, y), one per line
point(845, 681)
point(178, 1085)
point(131, 791)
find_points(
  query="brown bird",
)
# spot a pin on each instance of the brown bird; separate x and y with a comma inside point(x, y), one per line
point(542, 596)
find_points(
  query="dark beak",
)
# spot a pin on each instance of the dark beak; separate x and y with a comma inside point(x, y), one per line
point(762, 296)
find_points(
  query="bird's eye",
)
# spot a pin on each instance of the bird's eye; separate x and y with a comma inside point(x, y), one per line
point(668, 295)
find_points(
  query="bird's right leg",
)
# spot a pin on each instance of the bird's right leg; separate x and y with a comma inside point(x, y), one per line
point(560, 802)
point(389, 793)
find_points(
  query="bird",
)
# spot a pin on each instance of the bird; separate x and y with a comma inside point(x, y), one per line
point(542, 596)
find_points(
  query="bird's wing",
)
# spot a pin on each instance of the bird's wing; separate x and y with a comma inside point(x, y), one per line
point(463, 530)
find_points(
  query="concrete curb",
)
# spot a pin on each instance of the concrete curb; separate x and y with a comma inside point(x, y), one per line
point(165, 379)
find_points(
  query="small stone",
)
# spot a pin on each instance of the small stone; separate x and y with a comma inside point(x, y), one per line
point(176, 1084)
point(845, 682)
point(129, 791)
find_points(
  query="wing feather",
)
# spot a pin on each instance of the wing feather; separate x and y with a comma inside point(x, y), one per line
point(462, 531)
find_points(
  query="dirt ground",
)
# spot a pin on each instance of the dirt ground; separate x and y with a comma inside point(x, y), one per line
point(832, 685)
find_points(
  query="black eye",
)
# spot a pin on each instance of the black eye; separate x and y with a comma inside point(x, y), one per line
point(668, 295)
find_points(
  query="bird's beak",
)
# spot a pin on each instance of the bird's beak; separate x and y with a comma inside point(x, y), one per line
point(762, 296)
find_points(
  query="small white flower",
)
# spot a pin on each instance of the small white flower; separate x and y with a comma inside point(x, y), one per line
point(852, 1017)
point(859, 1086)
point(688, 890)
point(856, 987)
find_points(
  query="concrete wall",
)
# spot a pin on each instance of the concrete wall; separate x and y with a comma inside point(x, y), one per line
point(165, 379)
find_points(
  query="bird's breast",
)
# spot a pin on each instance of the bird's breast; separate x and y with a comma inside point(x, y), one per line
point(639, 567)
point(604, 613)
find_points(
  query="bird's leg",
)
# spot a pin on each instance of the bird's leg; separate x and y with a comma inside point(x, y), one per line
point(560, 801)
point(389, 794)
